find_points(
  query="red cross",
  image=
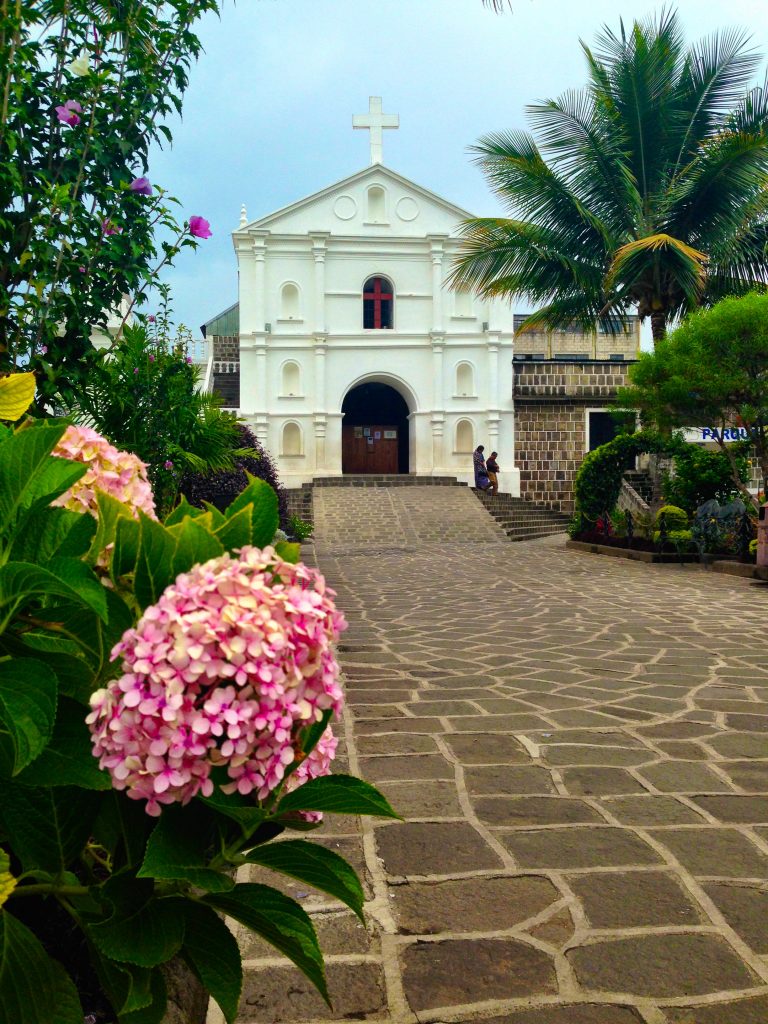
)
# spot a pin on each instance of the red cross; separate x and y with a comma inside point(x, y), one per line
point(378, 297)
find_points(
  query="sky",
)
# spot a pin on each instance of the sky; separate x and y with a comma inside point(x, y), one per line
point(267, 116)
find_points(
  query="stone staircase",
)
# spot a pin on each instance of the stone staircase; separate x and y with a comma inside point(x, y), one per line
point(522, 520)
point(641, 482)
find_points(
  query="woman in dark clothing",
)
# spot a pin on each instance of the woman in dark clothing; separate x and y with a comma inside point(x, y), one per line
point(481, 473)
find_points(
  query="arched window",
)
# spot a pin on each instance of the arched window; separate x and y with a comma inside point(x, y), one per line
point(291, 442)
point(465, 379)
point(462, 302)
point(289, 302)
point(377, 204)
point(465, 437)
point(290, 382)
point(378, 301)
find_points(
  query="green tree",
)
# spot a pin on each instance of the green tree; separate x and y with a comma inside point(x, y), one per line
point(711, 372)
point(85, 89)
point(644, 190)
point(144, 396)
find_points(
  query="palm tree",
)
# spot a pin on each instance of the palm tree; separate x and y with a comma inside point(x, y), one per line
point(646, 189)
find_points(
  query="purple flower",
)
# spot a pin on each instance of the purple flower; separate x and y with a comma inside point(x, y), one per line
point(141, 186)
point(151, 359)
point(199, 227)
point(189, 359)
point(81, 269)
point(135, 369)
point(68, 112)
point(151, 318)
point(44, 350)
point(108, 227)
point(168, 464)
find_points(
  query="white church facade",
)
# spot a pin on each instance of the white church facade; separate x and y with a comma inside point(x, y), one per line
point(353, 355)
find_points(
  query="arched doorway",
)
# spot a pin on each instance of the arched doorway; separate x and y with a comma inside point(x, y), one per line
point(374, 433)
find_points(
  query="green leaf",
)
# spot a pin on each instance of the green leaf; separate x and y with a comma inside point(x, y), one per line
point(128, 987)
point(337, 794)
point(212, 952)
point(288, 551)
point(314, 864)
point(47, 828)
point(154, 1012)
point(179, 847)
point(154, 563)
point(265, 518)
point(110, 512)
point(237, 531)
point(237, 807)
point(217, 517)
point(68, 759)
point(50, 532)
point(28, 695)
point(7, 881)
point(182, 510)
point(126, 549)
point(279, 920)
point(194, 545)
point(123, 828)
point(22, 456)
point(34, 988)
point(68, 577)
point(142, 930)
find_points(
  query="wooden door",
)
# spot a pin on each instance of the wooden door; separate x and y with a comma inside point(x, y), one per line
point(369, 449)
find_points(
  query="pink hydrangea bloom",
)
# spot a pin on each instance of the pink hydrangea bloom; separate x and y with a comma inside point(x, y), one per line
point(226, 670)
point(121, 475)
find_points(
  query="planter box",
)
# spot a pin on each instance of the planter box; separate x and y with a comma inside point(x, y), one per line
point(631, 553)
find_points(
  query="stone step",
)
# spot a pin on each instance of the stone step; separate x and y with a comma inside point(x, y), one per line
point(534, 533)
point(387, 480)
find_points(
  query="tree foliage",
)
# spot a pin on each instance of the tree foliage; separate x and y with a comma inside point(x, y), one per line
point(598, 481)
point(646, 189)
point(711, 372)
point(85, 89)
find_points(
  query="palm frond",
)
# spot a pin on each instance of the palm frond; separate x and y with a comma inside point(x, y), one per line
point(679, 264)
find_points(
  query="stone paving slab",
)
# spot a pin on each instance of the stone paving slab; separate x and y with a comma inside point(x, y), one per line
point(579, 746)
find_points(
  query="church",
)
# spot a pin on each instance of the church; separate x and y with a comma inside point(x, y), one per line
point(348, 354)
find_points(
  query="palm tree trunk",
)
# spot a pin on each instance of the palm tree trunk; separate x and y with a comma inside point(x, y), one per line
point(658, 325)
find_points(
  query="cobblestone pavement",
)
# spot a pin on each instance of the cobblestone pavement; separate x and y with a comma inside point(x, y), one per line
point(579, 746)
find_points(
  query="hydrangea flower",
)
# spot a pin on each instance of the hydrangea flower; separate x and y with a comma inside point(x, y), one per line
point(141, 186)
point(226, 670)
point(199, 227)
point(122, 475)
point(68, 113)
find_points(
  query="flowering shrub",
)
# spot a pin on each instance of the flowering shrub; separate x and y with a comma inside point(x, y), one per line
point(214, 711)
point(86, 91)
point(226, 669)
point(121, 475)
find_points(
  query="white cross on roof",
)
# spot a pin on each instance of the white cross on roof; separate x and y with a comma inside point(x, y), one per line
point(375, 120)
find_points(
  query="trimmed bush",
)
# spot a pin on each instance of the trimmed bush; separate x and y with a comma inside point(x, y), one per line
point(675, 518)
point(682, 539)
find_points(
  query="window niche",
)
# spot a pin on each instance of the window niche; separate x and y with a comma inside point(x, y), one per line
point(465, 438)
point(290, 380)
point(377, 205)
point(465, 380)
point(378, 304)
point(291, 440)
point(290, 304)
point(462, 304)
